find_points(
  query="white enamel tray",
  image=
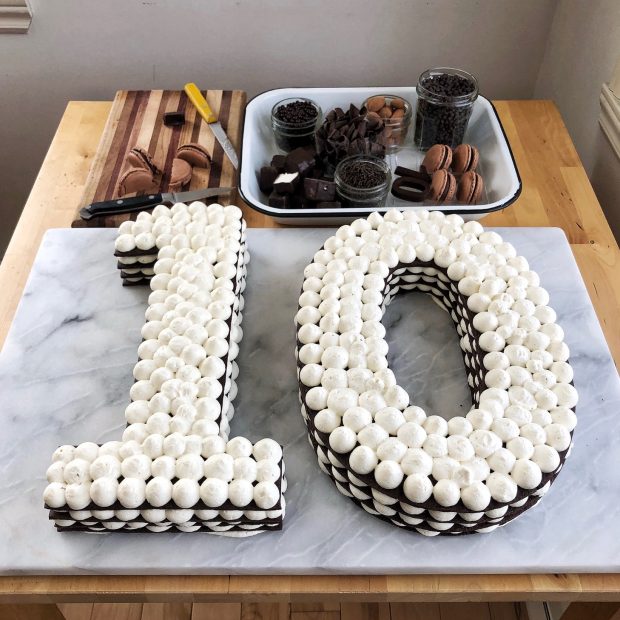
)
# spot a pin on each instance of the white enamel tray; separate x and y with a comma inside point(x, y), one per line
point(497, 165)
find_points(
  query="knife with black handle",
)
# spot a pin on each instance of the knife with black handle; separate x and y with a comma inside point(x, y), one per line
point(148, 201)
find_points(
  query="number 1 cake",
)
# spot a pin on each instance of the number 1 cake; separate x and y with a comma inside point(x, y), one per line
point(175, 468)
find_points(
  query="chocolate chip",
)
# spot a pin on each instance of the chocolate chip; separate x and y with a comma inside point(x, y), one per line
point(296, 113)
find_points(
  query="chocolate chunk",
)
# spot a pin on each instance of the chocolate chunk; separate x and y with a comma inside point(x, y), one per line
point(328, 205)
point(278, 162)
point(300, 160)
point(279, 201)
point(174, 119)
point(266, 178)
point(349, 133)
point(299, 202)
point(319, 190)
point(286, 183)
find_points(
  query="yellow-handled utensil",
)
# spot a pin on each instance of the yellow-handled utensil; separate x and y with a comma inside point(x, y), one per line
point(204, 109)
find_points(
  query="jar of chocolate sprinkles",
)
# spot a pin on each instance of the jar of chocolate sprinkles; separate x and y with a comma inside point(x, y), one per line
point(363, 181)
point(445, 100)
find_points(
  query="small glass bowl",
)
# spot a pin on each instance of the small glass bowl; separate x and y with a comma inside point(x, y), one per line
point(363, 197)
point(397, 125)
point(289, 136)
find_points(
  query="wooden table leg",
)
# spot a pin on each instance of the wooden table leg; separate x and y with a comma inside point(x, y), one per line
point(591, 611)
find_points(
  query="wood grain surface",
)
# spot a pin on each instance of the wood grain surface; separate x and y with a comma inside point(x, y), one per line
point(556, 193)
point(136, 120)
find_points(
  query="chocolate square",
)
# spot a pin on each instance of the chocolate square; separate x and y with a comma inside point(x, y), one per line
point(174, 119)
point(279, 201)
point(266, 178)
point(301, 160)
point(286, 183)
point(319, 190)
point(278, 162)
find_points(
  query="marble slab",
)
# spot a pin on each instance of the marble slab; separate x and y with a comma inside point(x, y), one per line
point(65, 374)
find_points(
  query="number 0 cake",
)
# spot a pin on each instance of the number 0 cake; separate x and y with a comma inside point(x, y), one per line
point(409, 467)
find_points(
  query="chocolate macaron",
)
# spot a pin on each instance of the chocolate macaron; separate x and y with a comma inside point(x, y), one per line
point(465, 157)
point(470, 188)
point(438, 157)
point(443, 187)
point(138, 157)
point(194, 154)
point(137, 180)
point(180, 175)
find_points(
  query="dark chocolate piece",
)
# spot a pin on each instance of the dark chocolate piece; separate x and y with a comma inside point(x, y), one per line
point(266, 178)
point(174, 119)
point(354, 132)
point(401, 171)
point(300, 202)
point(286, 183)
point(301, 160)
point(319, 190)
point(410, 189)
point(278, 162)
point(279, 201)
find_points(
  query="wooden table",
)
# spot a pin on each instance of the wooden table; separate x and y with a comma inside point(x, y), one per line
point(556, 192)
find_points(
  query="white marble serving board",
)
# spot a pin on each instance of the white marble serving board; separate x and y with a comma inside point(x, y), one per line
point(65, 374)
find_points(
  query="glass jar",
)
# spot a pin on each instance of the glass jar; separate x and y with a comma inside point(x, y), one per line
point(294, 133)
point(396, 113)
point(355, 184)
point(445, 100)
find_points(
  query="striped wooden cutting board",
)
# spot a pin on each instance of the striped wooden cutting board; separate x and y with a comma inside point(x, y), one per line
point(136, 119)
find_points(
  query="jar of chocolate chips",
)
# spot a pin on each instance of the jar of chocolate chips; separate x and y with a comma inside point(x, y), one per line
point(363, 181)
point(294, 122)
point(445, 101)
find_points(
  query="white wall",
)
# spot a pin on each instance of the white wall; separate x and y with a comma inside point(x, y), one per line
point(583, 48)
point(88, 49)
